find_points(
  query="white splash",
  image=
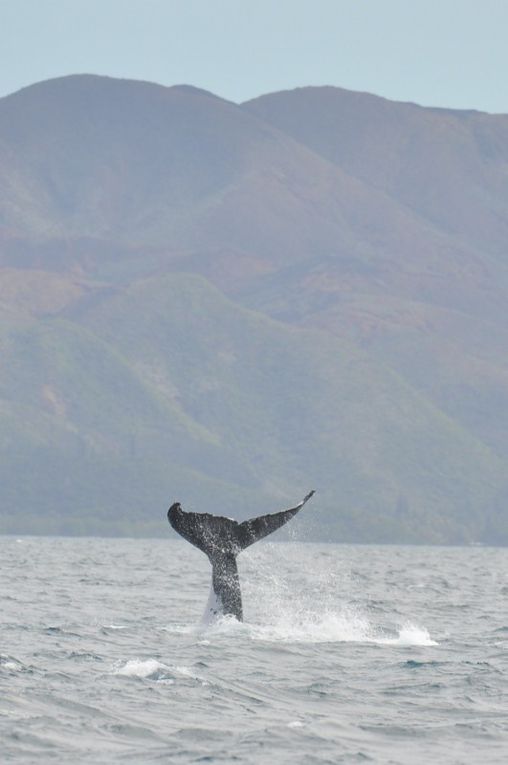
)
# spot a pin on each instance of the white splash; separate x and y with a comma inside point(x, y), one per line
point(307, 627)
point(224, 625)
point(410, 635)
point(301, 606)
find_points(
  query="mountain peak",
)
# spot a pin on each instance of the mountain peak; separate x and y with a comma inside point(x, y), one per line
point(78, 85)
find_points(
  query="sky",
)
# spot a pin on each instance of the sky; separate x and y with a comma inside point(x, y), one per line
point(451, 53)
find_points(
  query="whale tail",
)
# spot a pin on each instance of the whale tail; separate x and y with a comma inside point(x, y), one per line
point(222, 539)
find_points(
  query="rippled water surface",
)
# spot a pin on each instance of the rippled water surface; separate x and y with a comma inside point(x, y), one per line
point(348, 654)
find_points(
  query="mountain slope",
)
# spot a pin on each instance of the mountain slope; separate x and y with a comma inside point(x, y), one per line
point(150, 236)
point(182, 170)
point(443, 328)
point(168, 389)
point(450, 166)
point(292, 403)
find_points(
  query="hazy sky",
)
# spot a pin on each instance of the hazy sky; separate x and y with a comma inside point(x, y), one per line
point(435, 52)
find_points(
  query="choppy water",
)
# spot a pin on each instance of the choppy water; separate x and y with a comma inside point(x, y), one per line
point(348, 654)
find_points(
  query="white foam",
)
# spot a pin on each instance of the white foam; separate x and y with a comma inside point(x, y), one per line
point(7, 662)
point(303, 625)
point(11, 665)
point(224, 626)
point(410, 635)
point(150, 668)
point(346, 626)
point(342, 628)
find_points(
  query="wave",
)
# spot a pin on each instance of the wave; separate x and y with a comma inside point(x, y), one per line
point(146, 669)
point(10, 663)
point(153, 669)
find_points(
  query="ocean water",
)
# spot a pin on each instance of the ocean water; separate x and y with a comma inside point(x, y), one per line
point(348, 654)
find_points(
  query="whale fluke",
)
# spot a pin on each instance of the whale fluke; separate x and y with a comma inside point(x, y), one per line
point(222, 539)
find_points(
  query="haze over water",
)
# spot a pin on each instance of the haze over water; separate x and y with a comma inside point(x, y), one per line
point(348, 654)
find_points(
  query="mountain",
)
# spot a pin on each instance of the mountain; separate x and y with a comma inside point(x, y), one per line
point(229, 304)
point(449, 167)
point(440, 319)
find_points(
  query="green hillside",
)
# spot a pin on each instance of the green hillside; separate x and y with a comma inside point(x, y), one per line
point(170, 390)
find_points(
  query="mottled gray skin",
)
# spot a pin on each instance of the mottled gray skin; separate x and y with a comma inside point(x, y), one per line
point(222, 539)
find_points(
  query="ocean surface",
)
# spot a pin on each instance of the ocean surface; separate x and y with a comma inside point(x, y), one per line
point(348, 654)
